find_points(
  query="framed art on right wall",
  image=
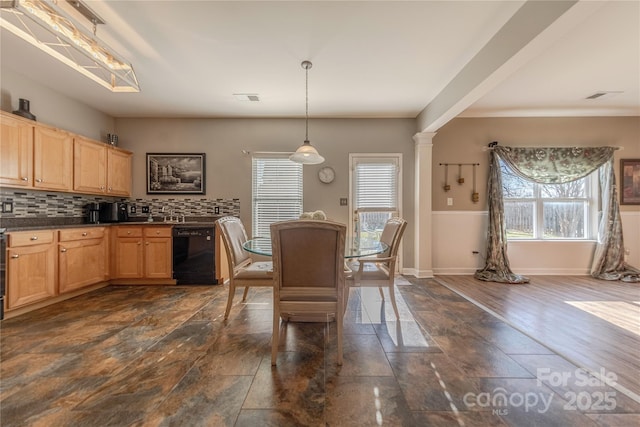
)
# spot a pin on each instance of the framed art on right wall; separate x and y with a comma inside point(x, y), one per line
point(630, 177)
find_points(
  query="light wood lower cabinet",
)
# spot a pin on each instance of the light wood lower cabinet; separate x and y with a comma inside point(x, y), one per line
point(31, 267)
point(142, 252)
point(82, 257)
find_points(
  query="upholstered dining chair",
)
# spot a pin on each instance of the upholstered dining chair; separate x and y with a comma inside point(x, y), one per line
point(243, 271)
point(308, 273)
point(379, 271)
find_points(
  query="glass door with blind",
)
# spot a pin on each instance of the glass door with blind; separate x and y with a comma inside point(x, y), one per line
point(375, 182)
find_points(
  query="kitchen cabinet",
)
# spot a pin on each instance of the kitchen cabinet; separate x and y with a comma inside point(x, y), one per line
point(142, 252)
point(31, 267)
point(100, 169)
point(16, 151)
point(82, 257)
point(52, 159)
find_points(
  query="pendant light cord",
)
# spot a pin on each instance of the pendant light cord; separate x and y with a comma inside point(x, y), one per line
point(306, 102)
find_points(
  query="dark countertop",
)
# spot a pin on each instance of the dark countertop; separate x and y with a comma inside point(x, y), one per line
point(26, 224)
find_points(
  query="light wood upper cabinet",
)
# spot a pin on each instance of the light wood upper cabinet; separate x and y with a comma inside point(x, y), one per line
point(100, 169)
point(16, 151)
point(41, 157)
point(52, 158)
point(119, 172)
point(89, 166)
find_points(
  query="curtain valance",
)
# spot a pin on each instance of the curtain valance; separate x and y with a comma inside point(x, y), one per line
point(554, 165)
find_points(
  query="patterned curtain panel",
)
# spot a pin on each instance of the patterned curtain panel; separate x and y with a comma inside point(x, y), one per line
point(608, 260)
point(554, 165)
point(497, 268)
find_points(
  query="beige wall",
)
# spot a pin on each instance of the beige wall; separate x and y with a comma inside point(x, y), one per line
point(462, 140)
point(53, 108)
point(228, 169)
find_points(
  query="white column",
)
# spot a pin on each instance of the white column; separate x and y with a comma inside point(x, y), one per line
point(423, 254)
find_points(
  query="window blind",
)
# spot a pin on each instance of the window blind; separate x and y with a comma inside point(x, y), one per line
point(276, 189)
point(376, 184)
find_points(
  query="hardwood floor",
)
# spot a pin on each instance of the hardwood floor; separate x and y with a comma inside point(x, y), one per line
point(593, 323)
point(155, 356)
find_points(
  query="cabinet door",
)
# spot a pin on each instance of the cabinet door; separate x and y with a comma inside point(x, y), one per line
point(81, 263)
point(52, 159)
point(30, 274)
point(129, 257)
point(158, 258)
point(89, 166)
point(16, 152)
point(118, 172)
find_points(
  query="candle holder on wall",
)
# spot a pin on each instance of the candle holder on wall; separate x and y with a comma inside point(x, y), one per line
point(475, 197)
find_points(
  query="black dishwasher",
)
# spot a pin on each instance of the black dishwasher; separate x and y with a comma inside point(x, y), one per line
point(194, 255)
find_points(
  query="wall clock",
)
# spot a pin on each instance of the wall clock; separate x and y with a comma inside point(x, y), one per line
point(326, 175)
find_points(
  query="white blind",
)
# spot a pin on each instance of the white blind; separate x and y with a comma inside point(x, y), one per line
point(277, 191)
point(376, 184)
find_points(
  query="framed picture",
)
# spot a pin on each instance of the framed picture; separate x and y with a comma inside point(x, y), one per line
point(175, 173)
point(630, 177)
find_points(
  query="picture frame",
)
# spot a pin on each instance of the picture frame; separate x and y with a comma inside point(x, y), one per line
point(630, 181)
point(176, 173)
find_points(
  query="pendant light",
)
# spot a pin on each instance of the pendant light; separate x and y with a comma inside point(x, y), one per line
point(306, 153)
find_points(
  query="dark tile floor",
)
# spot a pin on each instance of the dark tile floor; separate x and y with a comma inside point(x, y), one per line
point(163, 356)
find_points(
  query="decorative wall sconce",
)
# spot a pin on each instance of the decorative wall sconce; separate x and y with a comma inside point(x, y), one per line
point(475, 197)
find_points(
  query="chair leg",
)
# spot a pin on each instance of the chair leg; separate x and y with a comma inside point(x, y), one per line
point(232, 291)
point(381, 293)
point(339, 324)
point(275, 336)
point(392, 294)
point(244, 294)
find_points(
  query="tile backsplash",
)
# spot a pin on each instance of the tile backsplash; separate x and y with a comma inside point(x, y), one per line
point(45, 204)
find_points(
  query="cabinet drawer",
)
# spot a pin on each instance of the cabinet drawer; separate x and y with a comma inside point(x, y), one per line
point(81, 234)
point(157, 232)
point(30, 238)
point(129, 232)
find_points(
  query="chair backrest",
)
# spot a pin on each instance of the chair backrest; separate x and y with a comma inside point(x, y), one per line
point(308, 258)
point(392, 235)
point(233, 236)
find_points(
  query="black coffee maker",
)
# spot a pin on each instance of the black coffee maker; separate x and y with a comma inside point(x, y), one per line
point(93, 213)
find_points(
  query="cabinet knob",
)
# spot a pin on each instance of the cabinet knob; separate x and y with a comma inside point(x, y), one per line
point(139, 243)
point(15, 256)
point(128, 232)
point(110, 188)
point(102, 187)
point(84, 234)
point(24, 178)
point(63, 250)
point(34, 237)
point(38, 180)
point(147, 243)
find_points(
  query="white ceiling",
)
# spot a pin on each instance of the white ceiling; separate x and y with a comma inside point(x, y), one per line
point(370, 59)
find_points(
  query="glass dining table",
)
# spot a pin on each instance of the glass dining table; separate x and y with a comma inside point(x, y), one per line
point(354, 248)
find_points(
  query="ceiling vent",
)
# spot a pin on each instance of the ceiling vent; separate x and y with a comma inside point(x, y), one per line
point(604, 94)
point(252, 97)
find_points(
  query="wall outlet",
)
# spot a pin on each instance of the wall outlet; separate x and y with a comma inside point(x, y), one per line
point(7, 207)
point(343, 201)
point(145, 209)
point(449, 201)
point(216, 210)
point(133, 209)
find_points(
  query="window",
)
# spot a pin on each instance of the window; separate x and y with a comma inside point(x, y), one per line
point(276, 189)
point(549, 211)
point(376, 189)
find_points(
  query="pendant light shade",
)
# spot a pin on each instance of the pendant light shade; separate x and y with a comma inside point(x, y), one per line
point(306, 153)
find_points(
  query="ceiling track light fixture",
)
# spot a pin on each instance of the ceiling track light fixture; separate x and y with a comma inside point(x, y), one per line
point(306, 153)
point(68, 41)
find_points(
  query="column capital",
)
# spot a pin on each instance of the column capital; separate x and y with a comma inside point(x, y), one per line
point(424, 138)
